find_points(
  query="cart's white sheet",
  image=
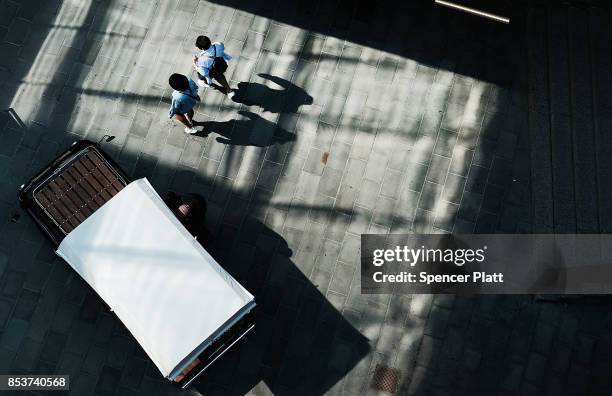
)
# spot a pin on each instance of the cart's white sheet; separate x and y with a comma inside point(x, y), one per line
point(166, 289)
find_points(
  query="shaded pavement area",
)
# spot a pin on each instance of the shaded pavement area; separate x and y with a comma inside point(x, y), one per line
point(349, 119)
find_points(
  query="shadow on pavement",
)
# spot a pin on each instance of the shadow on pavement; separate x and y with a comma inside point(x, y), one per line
point(253, 130)
point(287, 100)
point(301, 344)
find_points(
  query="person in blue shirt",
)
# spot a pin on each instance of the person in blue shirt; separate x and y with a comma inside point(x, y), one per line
point(206, 66)
point(184, 98)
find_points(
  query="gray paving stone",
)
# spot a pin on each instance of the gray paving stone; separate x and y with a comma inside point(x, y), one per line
point(453, 188)
point(314, 162)
point(535, 368)
point(6, 360)
point(141, 124)
point(423, 221)
point(26, 304)
point(83, 383)
point(401, 157)
point(345, 199)
point(461, 160)
point(415, 177)
point(378, 229)
point(6, 307)
point(429, 351)
point(27, 356)
point(376, 166)
point(133, 373)
point(13, 334)
point(360, 220)
point(120, 348)
point(362, 145)
point(469, 134)
point(445, 143)
point(460, 92)
point(240, 25)
point(307, 187)
point(330, 182)
point(10, 140)
point(383, 212)
point(470, 206)
point(486, 222)
point(326, 66)
point(368, 195)
point(337, 226)
point(453, 116)
point(107, 381)
point(445, 216)
point(501, 173)
point(476, 181)
point(69, 364)
point(438, 169)
point(333, 109)
point(492, 198)
point(341, 279)
point(391, 184)
point(80, 336)
point(429, 195)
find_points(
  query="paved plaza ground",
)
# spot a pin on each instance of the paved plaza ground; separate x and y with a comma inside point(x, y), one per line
point(349, 119)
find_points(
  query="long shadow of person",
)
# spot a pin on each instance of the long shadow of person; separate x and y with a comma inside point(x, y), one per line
point(251, 130)
point(285, 100)
point(301, 344)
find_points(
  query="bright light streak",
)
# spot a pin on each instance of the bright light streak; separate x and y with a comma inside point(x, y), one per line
point(473, 11)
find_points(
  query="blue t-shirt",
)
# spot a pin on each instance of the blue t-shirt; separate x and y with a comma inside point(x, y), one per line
point(184, 101)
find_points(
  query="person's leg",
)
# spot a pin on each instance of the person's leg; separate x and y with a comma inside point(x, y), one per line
point(201, 80)
point(189, 116)
point(224, 83)
point(183, 120)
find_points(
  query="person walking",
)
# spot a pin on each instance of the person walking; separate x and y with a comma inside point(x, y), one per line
point(211, 62)
point(184, 98)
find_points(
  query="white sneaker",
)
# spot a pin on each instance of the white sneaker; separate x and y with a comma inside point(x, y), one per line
point(231, 94)
point(190, 131)
point(202, 84)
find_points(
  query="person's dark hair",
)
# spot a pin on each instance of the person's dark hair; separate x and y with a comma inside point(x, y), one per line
point(203, 42)
point(178, 82)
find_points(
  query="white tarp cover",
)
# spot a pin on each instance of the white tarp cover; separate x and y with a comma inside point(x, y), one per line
point(160, 282)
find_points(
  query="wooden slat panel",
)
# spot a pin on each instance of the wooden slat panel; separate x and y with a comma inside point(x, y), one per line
point(73, 174)
point(63, 199)
point(48, 206)
point(95, 184)
point(64, 213)
point(99, 176)
point(70, 192)
point(87, 196)
point(74, 195)
point(108, 173)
